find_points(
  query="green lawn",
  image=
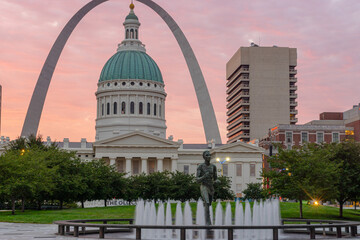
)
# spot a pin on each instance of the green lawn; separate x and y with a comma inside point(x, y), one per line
point(288, 210)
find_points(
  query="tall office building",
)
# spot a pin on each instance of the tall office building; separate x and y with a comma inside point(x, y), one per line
point(261, 86)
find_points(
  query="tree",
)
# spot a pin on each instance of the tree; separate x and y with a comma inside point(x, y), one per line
point(223, 189)
point(183, 187)
point(347, 155)
point(254, 191)
point(303, 174)
point(23, 175)
point(158, 187)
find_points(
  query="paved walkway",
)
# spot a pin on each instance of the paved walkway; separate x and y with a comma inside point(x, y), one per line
point(26, 231)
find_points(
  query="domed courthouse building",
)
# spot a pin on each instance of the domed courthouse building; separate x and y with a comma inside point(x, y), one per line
point(131, 125)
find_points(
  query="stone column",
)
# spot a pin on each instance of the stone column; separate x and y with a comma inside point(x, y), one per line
point(144, 165)
point(160, 167)
point(128, 166)
point(174, 162)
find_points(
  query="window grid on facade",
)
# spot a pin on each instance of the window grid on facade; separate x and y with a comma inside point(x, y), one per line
point(140, 108)
point(123, 108)
point(132, 108)
point(252, 170)
point(238, 170)
point(304, 137)
point(289, 137)
point(319, 137)
point(148, 109)
point(186, 169)
point(225, 169)
point(108, 109)
point(115, 107)
point(335, 137)
point(136, 167)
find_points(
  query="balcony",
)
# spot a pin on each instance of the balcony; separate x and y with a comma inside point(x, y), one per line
point(293, 103)
point(293, 120)
point(292, 71)
point(238, 91)
point(293, 79)
point(293, 95)
point(293, 111)
point(293, 87)
point(236, 116)
point(238, 100)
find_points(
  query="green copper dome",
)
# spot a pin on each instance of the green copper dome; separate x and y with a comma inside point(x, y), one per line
point(131, 16)
point(131, 65)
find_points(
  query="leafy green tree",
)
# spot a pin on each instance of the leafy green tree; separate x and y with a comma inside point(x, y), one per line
point(347, 155)
point(23, 174)
point(137, 185)
point(223, 189)
point(183, 187)
point(303, 174)
point(254, 191)
point(158, 186)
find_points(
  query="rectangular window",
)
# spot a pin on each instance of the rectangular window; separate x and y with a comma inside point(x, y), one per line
point(304, 137)
point(289, 137)
point(225, 169)
point(335, 137)
point(252, 170)
point(151, 164)
point(120, 166)
point(238, 170)
point(186, 169)
point(136, 166)
point(319, 137)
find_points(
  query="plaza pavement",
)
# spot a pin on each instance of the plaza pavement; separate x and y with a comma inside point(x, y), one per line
point(26, 231)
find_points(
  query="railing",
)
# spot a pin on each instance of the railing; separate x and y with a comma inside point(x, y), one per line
point(349, 227)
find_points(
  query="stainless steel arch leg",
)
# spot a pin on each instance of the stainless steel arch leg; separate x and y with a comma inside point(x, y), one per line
point(206, 108)
point(33, 115)
point(32, 119)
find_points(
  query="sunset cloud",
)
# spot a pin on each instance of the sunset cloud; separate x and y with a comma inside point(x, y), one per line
point(325, 33)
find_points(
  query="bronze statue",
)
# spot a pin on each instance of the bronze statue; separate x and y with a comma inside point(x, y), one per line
point(207, 175)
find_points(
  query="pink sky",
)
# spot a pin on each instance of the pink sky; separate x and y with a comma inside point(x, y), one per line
point(325, 32)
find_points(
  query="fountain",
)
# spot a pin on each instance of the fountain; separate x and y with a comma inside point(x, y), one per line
point(263, 213)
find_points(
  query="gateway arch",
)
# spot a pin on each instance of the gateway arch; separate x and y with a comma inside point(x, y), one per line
point(34, 111)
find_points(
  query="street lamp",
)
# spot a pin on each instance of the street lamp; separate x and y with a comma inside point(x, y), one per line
point(227, 159)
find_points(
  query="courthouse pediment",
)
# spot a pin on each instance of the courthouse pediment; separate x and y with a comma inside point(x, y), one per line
point(136, 139)
point(239, 147)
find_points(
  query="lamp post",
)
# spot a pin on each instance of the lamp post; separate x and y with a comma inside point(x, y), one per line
point(227, 159)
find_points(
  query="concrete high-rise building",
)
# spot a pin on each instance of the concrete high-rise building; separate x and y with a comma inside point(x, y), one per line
point(261, 86)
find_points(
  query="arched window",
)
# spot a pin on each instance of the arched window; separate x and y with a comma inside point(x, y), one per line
point(154, 109)
point(108, 109)
point(140, 108)
point(136, 34)
point(132, 33)
point(127, 33)
point(123, 108)
point(160, 110)
point(115, 107)
point(148, 109)
point(132, 107)
point(102, 109)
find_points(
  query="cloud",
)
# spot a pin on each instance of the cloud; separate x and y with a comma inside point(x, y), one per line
point(324, 32)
